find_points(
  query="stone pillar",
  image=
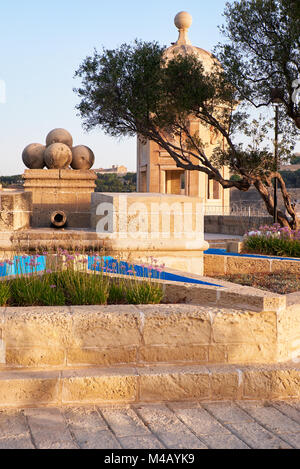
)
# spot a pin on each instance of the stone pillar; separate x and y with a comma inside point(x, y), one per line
point(15, 210)
point(60, 189)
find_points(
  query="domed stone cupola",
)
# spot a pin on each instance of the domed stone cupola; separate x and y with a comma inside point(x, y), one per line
point(183, 46)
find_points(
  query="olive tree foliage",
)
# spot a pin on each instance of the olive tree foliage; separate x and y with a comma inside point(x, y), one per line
point(134, 90)
point(263, 51)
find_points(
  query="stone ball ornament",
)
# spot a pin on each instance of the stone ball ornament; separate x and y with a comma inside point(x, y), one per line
point(33, 156)
point(59, 136)
point(82, 157)
point(183, 20)
point(58, 156)
point(58, 153)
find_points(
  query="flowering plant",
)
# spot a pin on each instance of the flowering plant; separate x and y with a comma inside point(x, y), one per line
point(273, 239)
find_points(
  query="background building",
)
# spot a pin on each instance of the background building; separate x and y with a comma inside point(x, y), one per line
point(157, 171)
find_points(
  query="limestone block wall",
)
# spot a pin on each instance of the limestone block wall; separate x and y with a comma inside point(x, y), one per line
point(146, 335)
point(15, 210)
point(221, 265)
point(60, 189)
point(257, 327)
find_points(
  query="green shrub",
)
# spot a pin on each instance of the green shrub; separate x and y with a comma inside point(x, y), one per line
point(143, 293)
point(4, 293)
point(83, 288)
point(35, 291)
point(272, 246)
point(117, 292)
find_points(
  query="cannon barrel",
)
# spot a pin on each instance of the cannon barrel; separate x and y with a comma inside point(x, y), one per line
point(58, 219)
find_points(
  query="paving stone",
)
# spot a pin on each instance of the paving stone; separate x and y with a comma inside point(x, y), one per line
point(276, 422)
point(244, 426)
point(188, 425)
point(14, 432)
point(124, 422)
point(141, 442)
point(288, 409)
point(49, 429)
point(89, 429)
point(207, 428)
point(228, 412)
point(166, 425)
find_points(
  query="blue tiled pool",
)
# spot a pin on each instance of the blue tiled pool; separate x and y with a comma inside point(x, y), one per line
point(21, 264)
point(223, 252)
point(124, 268)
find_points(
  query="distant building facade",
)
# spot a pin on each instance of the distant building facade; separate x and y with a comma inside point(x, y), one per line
point(118, 170)
point(157, 171)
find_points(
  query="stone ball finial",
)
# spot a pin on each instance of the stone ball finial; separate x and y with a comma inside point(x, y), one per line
point(59, 136)
point(33, 156)
point(58, 156)
point(183, 20)
point(82, 157)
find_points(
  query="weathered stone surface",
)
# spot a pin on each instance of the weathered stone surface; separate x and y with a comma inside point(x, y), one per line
point(60, 189)
point(268, 383)
point(35, 357)
point(49, 430)
point(38, 327)
point(172, 354)
point(59, 136)
point(82, 157)
point(188, 425)
point(187, 384)
point(286, 266)
point(14, 432)
point(253, 353)
point(141, 442)
point(214, 265)
point(275, 421)
point(242, 327)
point(125, 422)
point(96, 386)
point(211, 432)
point(175, 325)
point(15, 212)
point(29, 388)
point(57, 156)
point(237, 265)
point(89, 429)
point(98, 356)
point(170, 430)
point(105, 326)
point(225, 383)
point(33, 156)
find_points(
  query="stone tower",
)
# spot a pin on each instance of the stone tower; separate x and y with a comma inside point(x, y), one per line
point(157, 171)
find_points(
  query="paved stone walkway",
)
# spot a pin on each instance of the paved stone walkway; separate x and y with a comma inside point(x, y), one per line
point(215, 425)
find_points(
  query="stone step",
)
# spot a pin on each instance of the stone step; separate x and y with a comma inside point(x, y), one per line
point(25, 388)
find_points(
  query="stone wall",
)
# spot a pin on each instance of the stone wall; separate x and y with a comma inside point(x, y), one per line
point(221, 265)
point(258, 327)
point(15, 210)
point(233, 225)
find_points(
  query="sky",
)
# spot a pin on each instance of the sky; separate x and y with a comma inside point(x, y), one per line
point(42, 45)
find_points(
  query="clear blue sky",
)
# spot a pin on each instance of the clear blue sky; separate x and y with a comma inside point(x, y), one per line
point(43, 43)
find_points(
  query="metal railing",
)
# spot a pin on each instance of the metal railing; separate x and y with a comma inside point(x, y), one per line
point(237, 209)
